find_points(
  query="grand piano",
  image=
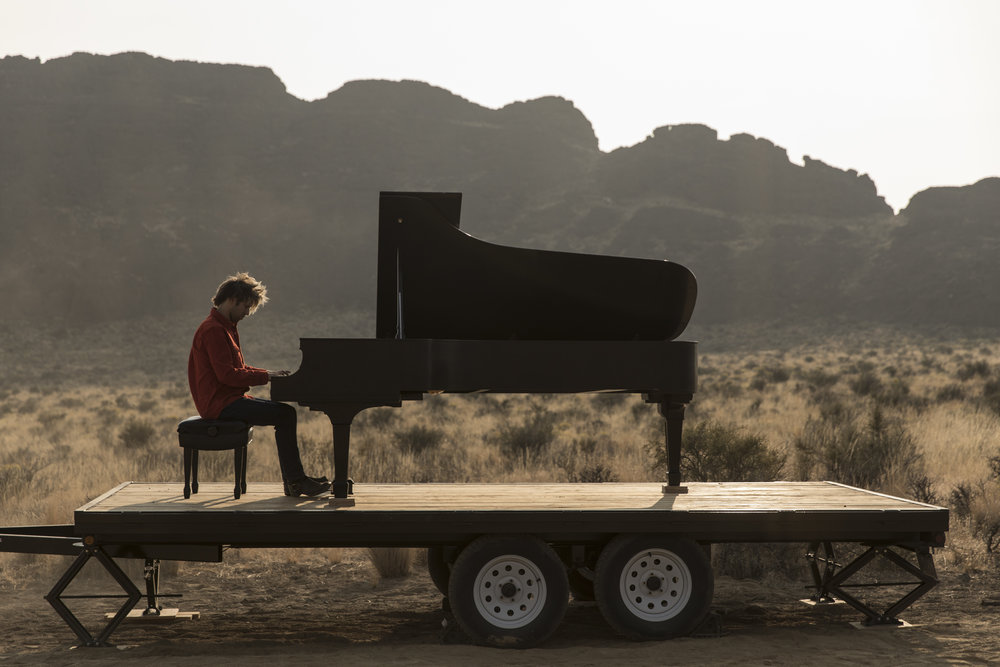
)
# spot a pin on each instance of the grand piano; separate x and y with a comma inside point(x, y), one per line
point(457, 314)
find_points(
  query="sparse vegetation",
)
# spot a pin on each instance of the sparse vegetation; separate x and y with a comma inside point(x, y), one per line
point(529, 436)
point(822, 412)
point(418, 438)
point(391, 562)
point(860, 453)
point(136, 434)
point(596, 473)
point(718, 452)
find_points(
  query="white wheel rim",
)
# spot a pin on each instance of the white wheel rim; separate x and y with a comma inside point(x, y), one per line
point(655, 585)
point(510, 591)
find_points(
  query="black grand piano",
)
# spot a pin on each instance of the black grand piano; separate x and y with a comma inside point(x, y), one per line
point(456, 314)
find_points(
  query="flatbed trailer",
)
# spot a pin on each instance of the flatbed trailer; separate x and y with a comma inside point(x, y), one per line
point(506, 556)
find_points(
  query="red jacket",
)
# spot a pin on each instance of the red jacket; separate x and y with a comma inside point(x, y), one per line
point(217, 374)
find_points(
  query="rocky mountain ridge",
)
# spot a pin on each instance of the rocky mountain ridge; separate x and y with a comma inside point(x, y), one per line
point(130, 182)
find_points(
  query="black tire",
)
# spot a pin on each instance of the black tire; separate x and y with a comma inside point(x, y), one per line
point(508, 590)
point(439, 568)
point(653, 586)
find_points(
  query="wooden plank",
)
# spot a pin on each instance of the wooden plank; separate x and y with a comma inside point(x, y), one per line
point(708, 497)
point(107, 494)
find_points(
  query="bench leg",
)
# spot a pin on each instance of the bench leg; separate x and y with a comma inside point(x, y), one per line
point(187, 472)
point(194, 470)
point(237, 468)
point(243, 474)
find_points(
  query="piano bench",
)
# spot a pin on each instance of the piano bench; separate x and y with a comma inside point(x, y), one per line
point(197, 434)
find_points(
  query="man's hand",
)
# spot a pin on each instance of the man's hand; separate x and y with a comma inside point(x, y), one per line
point(278, 374)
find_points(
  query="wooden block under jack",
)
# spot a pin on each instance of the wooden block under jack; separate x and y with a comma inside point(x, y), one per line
point(341, 502)
point(666, 489)
point(165, 616)
point(822, 603)
point(860, 625)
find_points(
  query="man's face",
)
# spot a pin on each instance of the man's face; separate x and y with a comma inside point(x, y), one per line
point(238, 312)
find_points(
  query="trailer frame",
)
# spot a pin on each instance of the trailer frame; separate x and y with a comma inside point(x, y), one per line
point(578, 525)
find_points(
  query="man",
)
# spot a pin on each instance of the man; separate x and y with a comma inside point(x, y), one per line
point(220, 379)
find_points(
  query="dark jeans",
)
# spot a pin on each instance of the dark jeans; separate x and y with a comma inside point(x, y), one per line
point(259, 412)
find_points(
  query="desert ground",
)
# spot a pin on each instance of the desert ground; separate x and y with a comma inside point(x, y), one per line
point(913, 417)
point(314, 612)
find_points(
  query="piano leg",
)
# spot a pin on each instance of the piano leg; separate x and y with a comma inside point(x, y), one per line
point(342, 484)
point(673, 413)
point(341, 415)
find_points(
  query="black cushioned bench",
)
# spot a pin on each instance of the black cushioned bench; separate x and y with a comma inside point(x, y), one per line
point(197, 434)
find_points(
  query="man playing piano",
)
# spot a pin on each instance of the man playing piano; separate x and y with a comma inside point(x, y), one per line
point(220, 379)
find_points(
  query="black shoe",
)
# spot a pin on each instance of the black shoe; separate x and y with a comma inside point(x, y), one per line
point(321, 480)
point(307, 486)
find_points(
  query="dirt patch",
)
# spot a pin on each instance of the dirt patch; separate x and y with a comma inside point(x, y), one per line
point(314, 611)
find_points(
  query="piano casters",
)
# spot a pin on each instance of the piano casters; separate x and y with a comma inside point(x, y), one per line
point(673, 413)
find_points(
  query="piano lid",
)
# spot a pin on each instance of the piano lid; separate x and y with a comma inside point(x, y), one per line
point(435, 281)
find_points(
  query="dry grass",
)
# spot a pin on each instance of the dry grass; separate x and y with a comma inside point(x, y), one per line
point(66, 439)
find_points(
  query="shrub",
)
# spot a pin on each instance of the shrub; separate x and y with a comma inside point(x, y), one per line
point(951, 392)
point(608, 402)
point(994, 462)
point(436, 404)
point(13, 479)
point(866, 384)
point(730, 389)
point(49, 418)
point(921, 489)
point(391, 562)
point(865, 455)
point(961, 501)
point(719, 452)
point(641, 410)
point(758, 561)
point(589, 444)
point(774, 374)
point(820, 379)
point(985, 520)
point(597, 472)
point(896, 393)
point(419, 438)
point(769, 375)
point(136, 434)
point(991, 395)
point(970, 370)
point(378, 418)
point(530, 436)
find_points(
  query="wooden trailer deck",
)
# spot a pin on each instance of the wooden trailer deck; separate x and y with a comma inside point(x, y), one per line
point(436, 514)
point(510, 553)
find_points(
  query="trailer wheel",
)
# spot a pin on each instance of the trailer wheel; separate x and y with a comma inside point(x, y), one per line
point(438, 568)
point(508, 591)
point(653, 586)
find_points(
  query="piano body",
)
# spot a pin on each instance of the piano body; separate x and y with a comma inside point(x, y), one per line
point(456, 314)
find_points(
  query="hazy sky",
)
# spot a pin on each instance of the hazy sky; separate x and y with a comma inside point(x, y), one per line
point(907, 91)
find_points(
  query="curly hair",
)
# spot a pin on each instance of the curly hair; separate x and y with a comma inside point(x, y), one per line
point(244, 288)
